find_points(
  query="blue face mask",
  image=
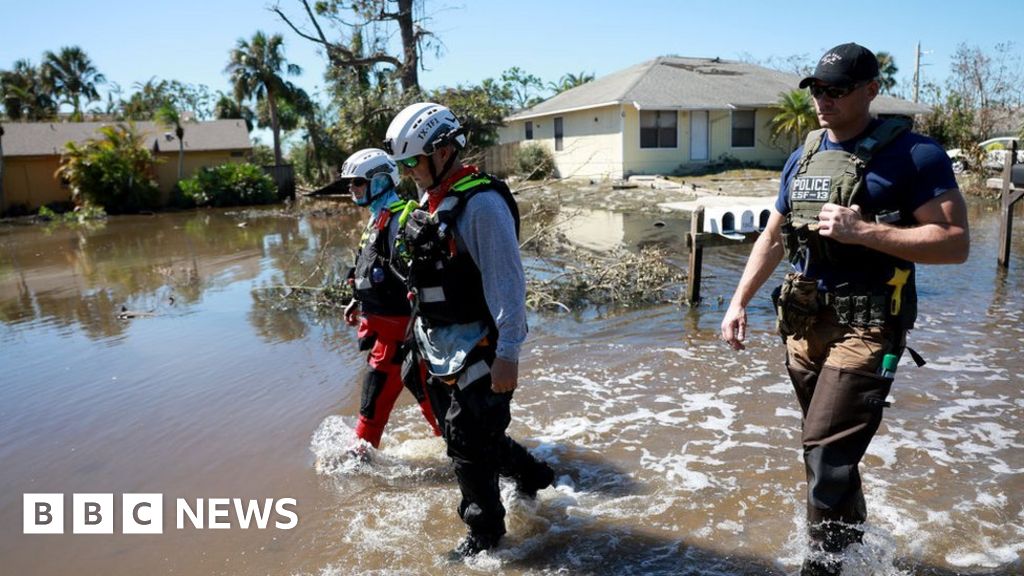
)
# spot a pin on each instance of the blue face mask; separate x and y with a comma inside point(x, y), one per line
point(378, 187)
point(380, 192)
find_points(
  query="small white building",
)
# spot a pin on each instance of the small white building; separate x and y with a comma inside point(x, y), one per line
point(664, 116)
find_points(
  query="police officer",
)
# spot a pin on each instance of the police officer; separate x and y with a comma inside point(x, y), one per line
point(380, 305)
point(470, 312)
point(859, 203)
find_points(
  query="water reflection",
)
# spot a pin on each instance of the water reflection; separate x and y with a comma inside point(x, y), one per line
point(67, 276)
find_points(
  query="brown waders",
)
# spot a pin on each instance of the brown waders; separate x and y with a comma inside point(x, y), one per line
point(834, 369)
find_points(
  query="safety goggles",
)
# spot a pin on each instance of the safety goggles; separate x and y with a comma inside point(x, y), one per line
point(410, 162)
point(834, 92)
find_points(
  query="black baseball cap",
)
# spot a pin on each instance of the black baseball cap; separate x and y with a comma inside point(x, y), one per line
point(844, 65)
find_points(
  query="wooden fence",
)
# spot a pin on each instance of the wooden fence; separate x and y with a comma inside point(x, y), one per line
point(284, 177)
point(500, 159)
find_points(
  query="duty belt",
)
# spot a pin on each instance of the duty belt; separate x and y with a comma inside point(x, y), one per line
point(859, 306)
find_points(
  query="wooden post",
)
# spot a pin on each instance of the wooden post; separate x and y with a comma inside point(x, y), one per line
point(1009, 197)
point(3, 204)
point(696, 256)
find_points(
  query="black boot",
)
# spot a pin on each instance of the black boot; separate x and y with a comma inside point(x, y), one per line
point(539, 478)
point(821, 567)
point(473, 544)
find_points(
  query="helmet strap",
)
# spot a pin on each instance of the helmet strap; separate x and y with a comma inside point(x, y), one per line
point(435, 177)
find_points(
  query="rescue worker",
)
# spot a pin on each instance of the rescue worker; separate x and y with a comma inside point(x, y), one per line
point(380, 305)
point(859, 203)
point(469, 313)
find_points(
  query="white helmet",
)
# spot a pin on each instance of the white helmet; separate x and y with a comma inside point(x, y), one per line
point(373, 165)
point(421, 128)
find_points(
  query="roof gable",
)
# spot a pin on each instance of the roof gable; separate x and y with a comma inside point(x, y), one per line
point(49, 138)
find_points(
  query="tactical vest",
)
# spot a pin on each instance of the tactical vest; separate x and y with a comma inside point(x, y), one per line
point(378, 290)
point(839, 177)
point(445, 281)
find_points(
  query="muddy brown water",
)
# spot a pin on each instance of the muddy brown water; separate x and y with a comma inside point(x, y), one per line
point(674, 454)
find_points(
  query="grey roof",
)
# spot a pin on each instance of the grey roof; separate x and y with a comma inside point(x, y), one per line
point(676, 83)
point(49, 138)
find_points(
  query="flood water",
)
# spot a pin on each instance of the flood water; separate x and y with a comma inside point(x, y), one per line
point(674, 454)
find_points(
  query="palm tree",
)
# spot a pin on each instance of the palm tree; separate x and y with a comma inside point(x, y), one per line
point(26, 94)
point(73, 76)
point(256, 68)
point(147, 99)
point(114, 170)
point(795, 117)
point(887, 71)
point(570, 81)
point(167, 115)
point(227, 108)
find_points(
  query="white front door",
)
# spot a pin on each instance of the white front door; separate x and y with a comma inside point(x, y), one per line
point(698, 135)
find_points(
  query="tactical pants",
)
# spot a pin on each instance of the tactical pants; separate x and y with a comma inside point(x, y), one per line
point(474, 422)
point(383, 336)
point(834, 370)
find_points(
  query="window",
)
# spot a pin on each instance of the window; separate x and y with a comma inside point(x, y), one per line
point(743, 128)
point(529, 130)
point(658, 128)
point(558, 133)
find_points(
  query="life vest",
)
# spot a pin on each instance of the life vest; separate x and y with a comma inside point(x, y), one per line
point(446, 282)
point(839, 177)
point(376, 287)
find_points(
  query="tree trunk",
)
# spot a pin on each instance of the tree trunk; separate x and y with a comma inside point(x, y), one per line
point(180, 133)
point(411, 60)
point(275, 127)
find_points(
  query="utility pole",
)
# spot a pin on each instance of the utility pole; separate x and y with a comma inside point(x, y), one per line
point(1, 169)
point(917, 71)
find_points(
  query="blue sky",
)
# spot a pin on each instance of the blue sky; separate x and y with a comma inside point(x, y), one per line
point(189, 40)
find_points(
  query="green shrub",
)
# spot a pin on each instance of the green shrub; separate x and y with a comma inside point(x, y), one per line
point(229, 185)
point(114, 172)
point(80, 215)
point(534, 162)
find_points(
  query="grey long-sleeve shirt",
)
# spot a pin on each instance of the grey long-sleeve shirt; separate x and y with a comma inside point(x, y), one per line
point(486, 230)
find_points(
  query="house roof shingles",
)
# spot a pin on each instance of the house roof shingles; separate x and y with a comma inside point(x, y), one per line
point(49, 138)
point(675, 83)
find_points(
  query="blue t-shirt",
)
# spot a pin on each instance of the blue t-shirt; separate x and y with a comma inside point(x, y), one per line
point(912, 168)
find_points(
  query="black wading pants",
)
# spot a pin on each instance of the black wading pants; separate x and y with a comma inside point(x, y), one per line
point(473, 420)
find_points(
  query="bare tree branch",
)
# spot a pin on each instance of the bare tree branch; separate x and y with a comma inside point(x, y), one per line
point(341, 55)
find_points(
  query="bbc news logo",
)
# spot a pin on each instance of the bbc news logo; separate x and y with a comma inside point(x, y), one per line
point(144, 513)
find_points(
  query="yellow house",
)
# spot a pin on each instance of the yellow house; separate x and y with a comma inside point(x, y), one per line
point(32, 150)
point(668, 115)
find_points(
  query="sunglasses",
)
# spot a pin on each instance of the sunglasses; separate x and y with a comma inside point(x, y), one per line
point(358, 182)
point(834, 92)
point(411, 162)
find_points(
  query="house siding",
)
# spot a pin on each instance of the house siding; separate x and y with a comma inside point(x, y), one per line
point(591, 141)
point(610, 146)
point(31, 181)
point(762, 152)
point(167, 167)
point(637, 160)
